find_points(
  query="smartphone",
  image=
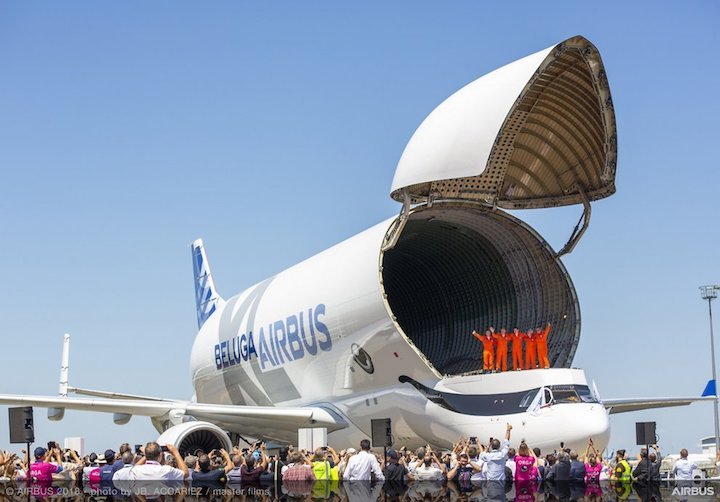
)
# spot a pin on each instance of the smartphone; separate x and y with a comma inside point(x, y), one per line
point(164, 448)
point(138, 449)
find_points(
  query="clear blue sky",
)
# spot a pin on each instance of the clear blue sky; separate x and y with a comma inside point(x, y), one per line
point(272, 130)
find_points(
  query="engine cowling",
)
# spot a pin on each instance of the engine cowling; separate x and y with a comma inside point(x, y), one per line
point(190, 436)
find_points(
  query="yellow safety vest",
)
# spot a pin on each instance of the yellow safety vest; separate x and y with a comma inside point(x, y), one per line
point(622, 472)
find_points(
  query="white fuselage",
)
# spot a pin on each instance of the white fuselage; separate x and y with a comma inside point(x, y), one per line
point(321, 333)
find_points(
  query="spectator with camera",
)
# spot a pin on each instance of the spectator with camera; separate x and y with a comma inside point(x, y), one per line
point(41, 470)
point(363, 466)
point(150, 468)
point(207, 473)
point(324, 460)
point(255, 464)
point(496, 457)
point(429, 468)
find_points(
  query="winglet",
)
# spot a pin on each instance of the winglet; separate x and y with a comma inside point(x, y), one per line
point(206, 296)
point(709, 389)
point(58, 413)
point(64, 367)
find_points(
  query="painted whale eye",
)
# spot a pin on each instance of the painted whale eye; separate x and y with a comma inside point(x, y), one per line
point(362, 358)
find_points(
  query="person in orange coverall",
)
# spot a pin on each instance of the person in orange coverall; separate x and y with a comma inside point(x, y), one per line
point(530, 350)
point(541, 340)
point(517, 337)
point(488, 349)
point(501, 339)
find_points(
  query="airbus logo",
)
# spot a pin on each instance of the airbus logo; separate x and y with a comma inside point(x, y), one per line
point(693, 490)
point(362, 358)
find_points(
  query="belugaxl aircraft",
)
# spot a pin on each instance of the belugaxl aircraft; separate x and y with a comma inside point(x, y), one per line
point(379, 325)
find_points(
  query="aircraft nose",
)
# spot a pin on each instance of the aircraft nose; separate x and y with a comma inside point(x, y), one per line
point(597, 426)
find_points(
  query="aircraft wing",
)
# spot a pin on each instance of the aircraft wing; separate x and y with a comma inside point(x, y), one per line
point(292, 417)
point(622, 405)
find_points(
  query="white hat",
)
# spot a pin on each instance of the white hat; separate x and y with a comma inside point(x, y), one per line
point(351, 451)
point(101, 459)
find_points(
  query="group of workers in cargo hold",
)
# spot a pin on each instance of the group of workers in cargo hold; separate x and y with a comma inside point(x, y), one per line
point(495, 349)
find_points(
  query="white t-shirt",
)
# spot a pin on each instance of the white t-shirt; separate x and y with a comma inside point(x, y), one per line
point(152, 471)
point(684, 468)
point(122, 474)
point(424, 473)
point(511, 464)
point(361, 465)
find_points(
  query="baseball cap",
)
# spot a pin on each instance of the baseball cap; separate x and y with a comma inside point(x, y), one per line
point(109, 455)
point(40, 452)
point(392, 454)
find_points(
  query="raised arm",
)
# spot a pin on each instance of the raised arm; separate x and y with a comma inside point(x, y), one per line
point(178, 459)
point(264, 461)
point(451, 473)
point(229, 466)
point(442, 466)
point(75, 458)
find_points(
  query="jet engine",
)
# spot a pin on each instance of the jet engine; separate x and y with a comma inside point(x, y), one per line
point(190, 436)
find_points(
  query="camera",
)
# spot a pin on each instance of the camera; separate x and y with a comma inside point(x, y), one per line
point(52, 445)
point(473, 439)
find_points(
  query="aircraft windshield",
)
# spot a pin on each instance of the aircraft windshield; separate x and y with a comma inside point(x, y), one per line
point(572, 394)
point(500, 404)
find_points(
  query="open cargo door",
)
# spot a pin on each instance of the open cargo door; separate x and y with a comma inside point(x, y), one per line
point(538, 132)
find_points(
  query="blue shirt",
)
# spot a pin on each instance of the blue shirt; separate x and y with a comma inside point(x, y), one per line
point(107, 471)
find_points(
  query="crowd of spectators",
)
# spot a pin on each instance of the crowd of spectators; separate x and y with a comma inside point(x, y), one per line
point(492, 467)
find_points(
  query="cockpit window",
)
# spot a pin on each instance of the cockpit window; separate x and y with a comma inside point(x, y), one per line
point(572, 394)
point(528, 398)
point(501, 404)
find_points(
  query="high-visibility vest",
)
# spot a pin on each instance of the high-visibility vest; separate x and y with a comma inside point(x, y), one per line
point(622, 472)
point(322, 470)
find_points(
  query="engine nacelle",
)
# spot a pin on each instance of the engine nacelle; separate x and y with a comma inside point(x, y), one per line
point(190, 436)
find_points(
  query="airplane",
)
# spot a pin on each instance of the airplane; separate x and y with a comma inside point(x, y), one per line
point(378, 326)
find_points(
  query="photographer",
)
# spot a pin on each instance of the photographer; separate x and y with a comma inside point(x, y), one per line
point(255, 465)
point(121, 475)
point(41, 470)
point(208, 474)
point(298, 469)
point(324, 461)
point(149, 468)
point(394, 469)
point(463, 469)
point(496, 458)
point(430, 468)
point(363, 465)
